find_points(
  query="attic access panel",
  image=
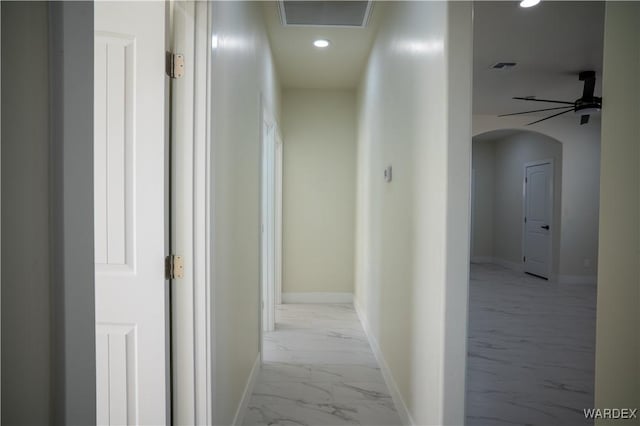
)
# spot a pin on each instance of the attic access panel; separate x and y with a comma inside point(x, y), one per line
point(325, 13)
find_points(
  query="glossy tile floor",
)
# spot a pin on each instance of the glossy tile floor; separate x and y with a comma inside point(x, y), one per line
point(319, 370)
point(531, 349)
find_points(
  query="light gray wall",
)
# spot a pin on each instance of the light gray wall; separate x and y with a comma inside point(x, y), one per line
point(483, 159)
point(26, 286)
point(243, 74)
point(71, 204)
point(48, 337)
point(412, 234)
point(319, 130)
point(617, 381)
point(507, 157)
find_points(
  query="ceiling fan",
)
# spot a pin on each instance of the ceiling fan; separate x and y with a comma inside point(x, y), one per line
point(585, 106)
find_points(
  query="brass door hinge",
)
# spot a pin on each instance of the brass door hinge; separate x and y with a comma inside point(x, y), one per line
point(175, 65)
point(173, 267)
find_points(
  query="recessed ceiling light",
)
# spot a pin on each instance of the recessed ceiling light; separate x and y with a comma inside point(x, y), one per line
point(529, 3)
point(321, 43)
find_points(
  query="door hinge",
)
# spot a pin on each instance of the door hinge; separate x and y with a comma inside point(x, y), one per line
point(525, 219)
point(175, 65)
point(173, 267)
point(526, 180)
point(524, 258)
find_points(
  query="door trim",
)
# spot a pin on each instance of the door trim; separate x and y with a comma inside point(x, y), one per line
point(269, 130)
point(278, 213)
point(194, 337)
point(528, 164)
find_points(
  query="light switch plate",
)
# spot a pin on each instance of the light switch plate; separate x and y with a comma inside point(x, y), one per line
point(388, 173)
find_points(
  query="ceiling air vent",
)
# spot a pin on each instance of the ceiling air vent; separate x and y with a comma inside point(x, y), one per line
point(325, 13)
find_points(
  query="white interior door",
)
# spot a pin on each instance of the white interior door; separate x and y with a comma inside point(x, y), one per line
point(268, 271)
point(538, 205)
point(130, 213)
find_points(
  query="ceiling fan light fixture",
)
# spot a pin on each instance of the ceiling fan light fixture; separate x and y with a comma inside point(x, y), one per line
point(584, 106)
point(588, 110)
point(503, 65)
point(529, 3)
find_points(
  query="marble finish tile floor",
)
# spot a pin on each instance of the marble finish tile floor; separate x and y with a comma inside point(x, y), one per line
point(531, 349)
point(318, 369)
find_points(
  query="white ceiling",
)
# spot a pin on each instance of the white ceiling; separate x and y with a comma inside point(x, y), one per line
point(301, 65)
point(550, 42)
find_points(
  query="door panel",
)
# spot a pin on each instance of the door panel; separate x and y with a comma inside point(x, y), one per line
point(130, 212)
point(538, 211)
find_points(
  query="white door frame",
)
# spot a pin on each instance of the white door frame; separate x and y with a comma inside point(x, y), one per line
point(192, 221)
point(268, 138)
point(473, 213)
point(194, 339)
point(278, 212)
point(552, 208)
point(0, 221)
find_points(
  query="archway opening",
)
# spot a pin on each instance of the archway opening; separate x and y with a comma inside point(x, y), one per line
point(531, 335)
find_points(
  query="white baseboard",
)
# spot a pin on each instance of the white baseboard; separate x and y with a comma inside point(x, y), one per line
point(317, 297)
point(246, 395)
point(401, 407)
point(578, 279)
point(518, 267)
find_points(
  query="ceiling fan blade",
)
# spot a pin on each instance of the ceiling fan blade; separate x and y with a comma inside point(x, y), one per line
point(551, 116)
point(584, 119)
point(535, 110)
point(544, 100)
point(589, 78)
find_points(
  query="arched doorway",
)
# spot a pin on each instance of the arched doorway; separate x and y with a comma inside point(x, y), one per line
point(500, 161)
point(531, 341)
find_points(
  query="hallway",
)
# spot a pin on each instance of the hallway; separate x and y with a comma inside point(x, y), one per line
point(318, 369)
